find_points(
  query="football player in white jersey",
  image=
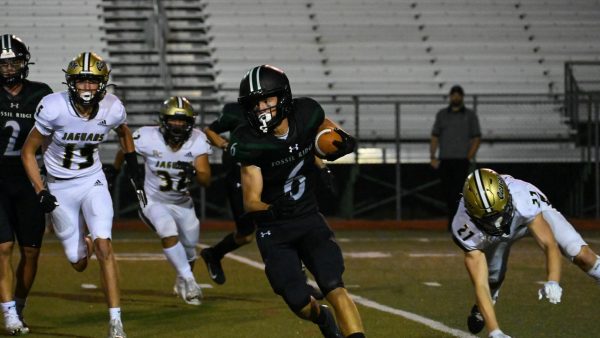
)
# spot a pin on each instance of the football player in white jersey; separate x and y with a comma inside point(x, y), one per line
point(494, 212)
point(175, 154)
point(73, 123)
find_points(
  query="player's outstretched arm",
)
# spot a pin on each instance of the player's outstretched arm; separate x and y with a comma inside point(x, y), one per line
point(216, 139)
point(476, 264)
point(33, 142)
point(545, 239)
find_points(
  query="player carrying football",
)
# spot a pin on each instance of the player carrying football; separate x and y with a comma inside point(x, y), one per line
point(496, 211)
point(278, 180)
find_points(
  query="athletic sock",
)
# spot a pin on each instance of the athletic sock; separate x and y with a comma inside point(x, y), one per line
point(20, 304)
point(178, 259)
point(9, 308)
point(227, 244)
point(115, 313)
point(594, 272)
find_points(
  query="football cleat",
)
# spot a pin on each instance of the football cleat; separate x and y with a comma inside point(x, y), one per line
point(14, 326)
point(115, 329)
point(213, 265)
point(475, 320)
point(188, 290)
point(329, 329)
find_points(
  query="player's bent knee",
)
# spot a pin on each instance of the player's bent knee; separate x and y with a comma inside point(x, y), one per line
point(296, 296)
point(80, 265)
point(6, 249)
point(243, 239)
point(102, 248)
point(330, 284)
point(30, 253)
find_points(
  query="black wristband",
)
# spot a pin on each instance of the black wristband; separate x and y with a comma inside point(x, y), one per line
point(132, 164)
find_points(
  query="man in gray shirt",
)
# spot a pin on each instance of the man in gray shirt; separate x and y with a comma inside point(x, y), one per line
point(457, 133)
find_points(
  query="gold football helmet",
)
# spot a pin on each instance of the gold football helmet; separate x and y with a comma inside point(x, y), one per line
point(488, 202)
point(177, 108)
point(87, 66)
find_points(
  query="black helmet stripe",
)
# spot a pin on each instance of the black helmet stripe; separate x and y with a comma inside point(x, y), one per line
point(481, 191)
point(179, 102)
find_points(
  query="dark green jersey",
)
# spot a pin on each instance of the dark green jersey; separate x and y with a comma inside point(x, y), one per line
point(232, 116)
point(16, 114)
point(287, 166)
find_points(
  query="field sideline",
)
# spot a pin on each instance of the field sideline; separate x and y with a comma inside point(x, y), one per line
point(392, 274)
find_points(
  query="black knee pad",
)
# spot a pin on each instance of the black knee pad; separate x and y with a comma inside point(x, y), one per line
point(330, 285)
point(297, 296)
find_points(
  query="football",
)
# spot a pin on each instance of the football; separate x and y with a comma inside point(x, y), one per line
point(324, 142)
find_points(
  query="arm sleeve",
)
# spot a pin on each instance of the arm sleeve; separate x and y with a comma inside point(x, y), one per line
point(120, 113)
point(139, 141)
point(244, 150)
point(44, 118)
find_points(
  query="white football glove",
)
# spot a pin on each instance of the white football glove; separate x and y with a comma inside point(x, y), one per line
point(552, 291)
point(497, 333)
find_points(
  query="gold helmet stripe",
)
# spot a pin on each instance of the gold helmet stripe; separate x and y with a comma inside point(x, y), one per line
point(481, 191)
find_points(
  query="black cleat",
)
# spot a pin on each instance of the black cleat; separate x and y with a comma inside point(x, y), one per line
point(215, 270)
point(475, 320)
point(329, 329)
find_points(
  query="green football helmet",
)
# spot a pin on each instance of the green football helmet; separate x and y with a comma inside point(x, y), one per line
point(488, 202)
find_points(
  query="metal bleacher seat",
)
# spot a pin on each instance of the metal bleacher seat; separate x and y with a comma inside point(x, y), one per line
point(55, 32)
point(375, 47)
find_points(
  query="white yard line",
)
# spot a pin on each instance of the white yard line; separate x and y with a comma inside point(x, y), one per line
point(371, 304)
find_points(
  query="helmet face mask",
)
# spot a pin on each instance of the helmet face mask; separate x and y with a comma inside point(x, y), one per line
point(488, 202)
point(177, 120)
point(90, 67)
point(14, 60)
point(261, 83)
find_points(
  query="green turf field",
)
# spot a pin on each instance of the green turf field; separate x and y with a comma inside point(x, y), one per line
point(246, 307)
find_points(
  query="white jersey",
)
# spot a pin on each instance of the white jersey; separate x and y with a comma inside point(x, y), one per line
point(164, 181)
point(73, 151)
point(528, 202)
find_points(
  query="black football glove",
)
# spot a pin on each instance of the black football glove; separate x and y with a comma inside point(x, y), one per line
point(283, 207)
point(344, 147)
point(47, 201)
point(134, 178)
point(188, 169)
point(328, 180)
point(111, 174)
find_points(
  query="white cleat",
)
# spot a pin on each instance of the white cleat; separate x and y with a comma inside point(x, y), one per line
point(14, 326)
point(188, 290)
point(115, 329)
